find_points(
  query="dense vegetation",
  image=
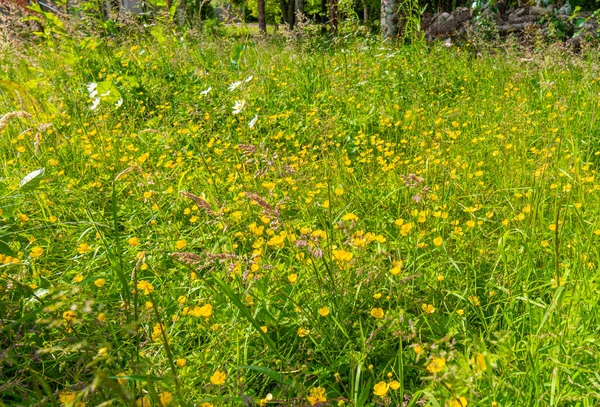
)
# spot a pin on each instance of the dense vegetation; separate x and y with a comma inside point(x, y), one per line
point(228, 221)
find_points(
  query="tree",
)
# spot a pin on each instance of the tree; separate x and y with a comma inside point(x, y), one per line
point(262, 21)
point(333, 16)
point(389, 18)
point(288, 12)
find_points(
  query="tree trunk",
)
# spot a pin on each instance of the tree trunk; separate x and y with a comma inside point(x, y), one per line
point(181, 6)
point(333, 17)
point(287, 10)
point(365, 13)
point(262, 22)
point(323, 16)
point(389, 18)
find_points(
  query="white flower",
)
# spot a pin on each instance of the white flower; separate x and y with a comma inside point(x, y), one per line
point(253, 121)
point(205, 92)
point(91, 87)
point(119, 103)
point(239, 105)
point(248, 79)
point(233, 86)
point(95, 103)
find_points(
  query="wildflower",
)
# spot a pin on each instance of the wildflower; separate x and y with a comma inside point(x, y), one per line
point(157, 332)
point(302, 332)
point(460, 311)
point(396, 267)
point(234, 85)
point(292, 278)
point(133, 241)
point(36, 252)
point(438, 241)
point(418, 350)
point(122, 382)
point(78, 278)
point(474, 300)
point(143, 401)
point(119, 103)
point(317, 395)
point(457, 402)
point(205, 311)
point(436, 365)
point(146, 286)
point(238, 106)
point(165, 398)
point(381, 389)
point(181, 362)
point(67, 397)
point(349, 217)
point(478, 362)
point(100, 282)
point(22, 217)
point(342, 255)
point(207, 404)
point(264, 329)
point(277, 241)
point(324, 311)
point(218, 378)
point(428, 308)
point(206, 91)
point(253, 122)
point(180, 244)
point(69, 316)
point(377, 313)
point(83, 248)
point(394, 385)
point(102, 317)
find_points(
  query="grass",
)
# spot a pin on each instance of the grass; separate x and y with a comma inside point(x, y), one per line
point(376, 225)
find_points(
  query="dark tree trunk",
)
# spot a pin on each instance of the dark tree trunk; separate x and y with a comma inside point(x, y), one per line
point(299, 8)
point(333, 17)
point(262, 22)
point(287, 10)
point(323, 16)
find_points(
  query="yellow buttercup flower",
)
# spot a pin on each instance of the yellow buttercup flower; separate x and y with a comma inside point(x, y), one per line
point(377, 313)
point(436, 365)
point(317, 395)
point(36, 252)
point(381, 389)
point(218, 378)
point(324, 311)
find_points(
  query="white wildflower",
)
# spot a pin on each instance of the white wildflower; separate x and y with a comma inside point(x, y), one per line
point(239, 105)
point(119, 103)
point(233, 86)
point(253, 121)
point(248, 79)
point(205, 91)
point(95, 103)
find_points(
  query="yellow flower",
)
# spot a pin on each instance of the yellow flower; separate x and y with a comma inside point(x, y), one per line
point(165, 398)
point(438, 241)
point(99, 282)
point(83, 248)
point(292, 278)
point(205, 311)
point(102, 317)
point(460, 311)
point(302, 332)
point(342, 255)
point(394, 385)
point(418, 350)
point(218, 378)
point(381, 389)
point(479, 362)
point(67, 397)
point(317, 395)
point(552, 227)
point(428, 308)
point(324, 311)
point(143, 401)
point(457, 402)
point(133, 241)
point(561, 282)
point(349, 217)
point(22, 217)
point(78, 278)
point(207, 404)
point(180, 244)
point(474, 300)
point(396, 267)
point(436, 365)
point(122, 382)
point(277, 241)
point(36, 252)
point(377, 313)
point(146, 286)
point(181, 362)
point(264, 329)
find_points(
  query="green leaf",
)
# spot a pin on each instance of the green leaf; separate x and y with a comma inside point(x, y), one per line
point(236, 54)
point(32, 180)
point(278, 377)
point(5, 249)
